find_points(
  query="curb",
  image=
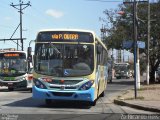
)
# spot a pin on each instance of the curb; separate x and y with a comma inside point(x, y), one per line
point(123, 103)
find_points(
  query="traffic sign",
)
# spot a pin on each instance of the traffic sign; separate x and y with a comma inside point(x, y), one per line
point(140, 44)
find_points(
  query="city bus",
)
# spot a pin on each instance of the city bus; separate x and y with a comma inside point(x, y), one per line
point(13, 69)
point(122, 70)
point(69, 64)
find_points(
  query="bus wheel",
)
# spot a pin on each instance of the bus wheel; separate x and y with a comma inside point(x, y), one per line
point(102, 94)
point(48, 101)
point(10, 88)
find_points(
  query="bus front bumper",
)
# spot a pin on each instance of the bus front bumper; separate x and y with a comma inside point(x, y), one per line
point(84, 95)
point(15, 84)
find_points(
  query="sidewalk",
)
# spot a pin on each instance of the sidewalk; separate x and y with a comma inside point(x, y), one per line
point(148, 98)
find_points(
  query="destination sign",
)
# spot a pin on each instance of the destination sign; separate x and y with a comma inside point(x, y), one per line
point(65, 36)
point(11, 55)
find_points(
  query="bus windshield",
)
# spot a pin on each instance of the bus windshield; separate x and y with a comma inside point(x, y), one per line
point(60, 60)
point(12, 64)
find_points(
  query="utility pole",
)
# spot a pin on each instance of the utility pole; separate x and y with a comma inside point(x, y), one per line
point(148, 40)
point(136, 55)
point(134, 3)
point(20, 7)
point(13, 40)
point(135, 44)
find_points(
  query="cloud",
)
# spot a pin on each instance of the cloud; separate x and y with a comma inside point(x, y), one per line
point(54, 13)
point(7, 18)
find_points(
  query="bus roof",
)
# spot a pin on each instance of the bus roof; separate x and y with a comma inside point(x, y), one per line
point(67, 29)
point(76, 30)
point(12, 51)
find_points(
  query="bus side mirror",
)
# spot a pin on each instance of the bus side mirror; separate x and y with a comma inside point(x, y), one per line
point(34, 57)
point(29, 54)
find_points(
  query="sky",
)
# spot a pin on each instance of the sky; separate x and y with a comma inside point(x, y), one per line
point(50, 14)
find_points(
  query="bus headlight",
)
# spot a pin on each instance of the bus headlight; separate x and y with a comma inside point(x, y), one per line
point(86, 85)
point(39, 84)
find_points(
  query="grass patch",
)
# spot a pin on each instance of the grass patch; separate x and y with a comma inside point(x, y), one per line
point(147, 88)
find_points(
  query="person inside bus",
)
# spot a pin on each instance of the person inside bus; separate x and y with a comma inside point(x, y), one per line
point(14, 65)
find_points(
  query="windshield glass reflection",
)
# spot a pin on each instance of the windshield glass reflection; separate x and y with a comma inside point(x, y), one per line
point(12, 67)
point(64, 59)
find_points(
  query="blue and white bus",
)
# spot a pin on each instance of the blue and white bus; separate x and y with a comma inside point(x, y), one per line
point(69, 64)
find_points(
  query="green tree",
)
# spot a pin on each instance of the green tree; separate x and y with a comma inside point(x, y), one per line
point(120, 28)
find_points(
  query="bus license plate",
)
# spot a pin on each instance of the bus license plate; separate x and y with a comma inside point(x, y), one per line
point(62, 87)
point(10, 83)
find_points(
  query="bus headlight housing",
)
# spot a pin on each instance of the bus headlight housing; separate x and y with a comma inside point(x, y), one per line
point(39, 84)
point(86, 85)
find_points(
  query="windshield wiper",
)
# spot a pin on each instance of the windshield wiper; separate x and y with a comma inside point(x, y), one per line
point(55, 48)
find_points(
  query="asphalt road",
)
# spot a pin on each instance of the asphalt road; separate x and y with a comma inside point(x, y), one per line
point(20, 105)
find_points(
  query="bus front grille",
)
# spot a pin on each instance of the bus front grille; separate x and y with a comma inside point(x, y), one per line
point(59, 87)
point(66, 94)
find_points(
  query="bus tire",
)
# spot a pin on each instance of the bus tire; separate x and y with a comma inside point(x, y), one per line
point(102, 94)
point(48, 101)
point(10, 88)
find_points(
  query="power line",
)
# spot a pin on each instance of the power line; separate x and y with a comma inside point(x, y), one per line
point(6, 27)
point(13, 39)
